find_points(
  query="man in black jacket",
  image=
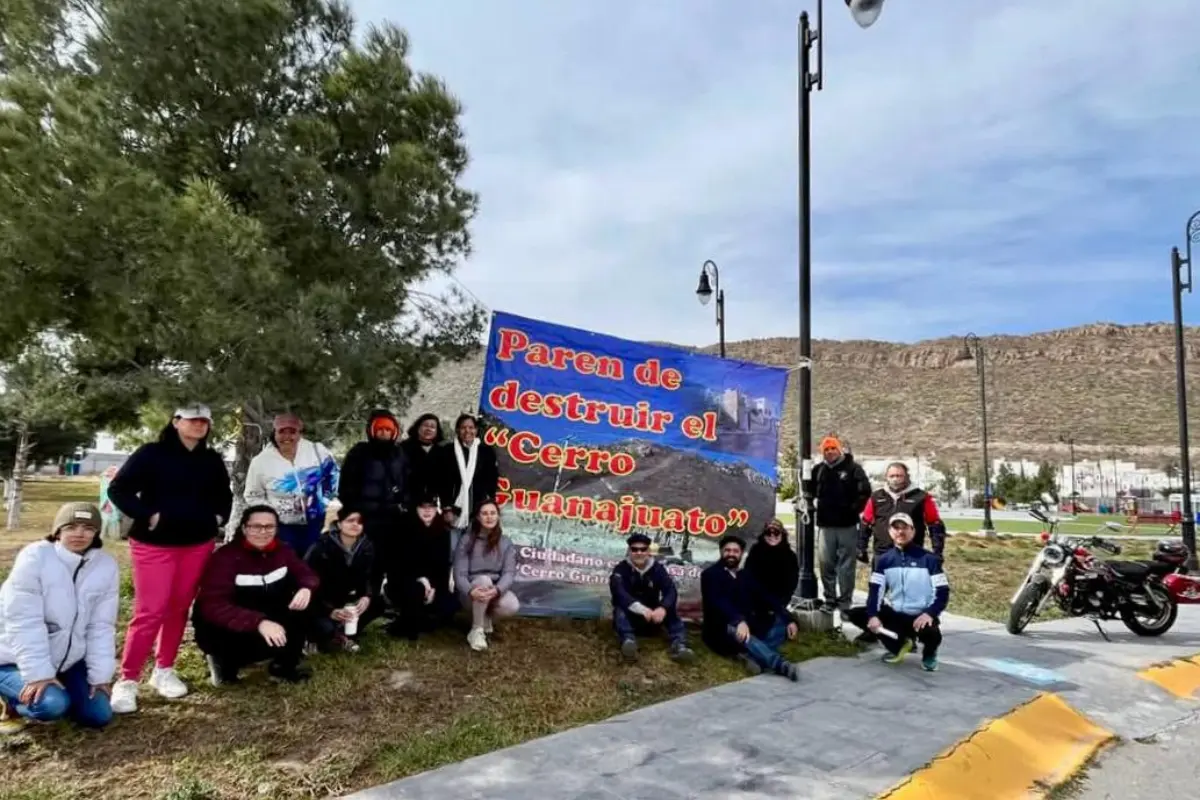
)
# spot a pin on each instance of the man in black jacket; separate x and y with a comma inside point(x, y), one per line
point(374, 480)
point(741, 618)
point(643, 601)
point(841, 489)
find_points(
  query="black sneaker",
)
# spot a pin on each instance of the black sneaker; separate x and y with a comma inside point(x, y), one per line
point(680, 653)
point(294, 673)
point(221, 674)
point(629, 651)
point(788, 670)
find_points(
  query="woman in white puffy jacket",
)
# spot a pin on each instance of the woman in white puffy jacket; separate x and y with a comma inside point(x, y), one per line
point(58, 615)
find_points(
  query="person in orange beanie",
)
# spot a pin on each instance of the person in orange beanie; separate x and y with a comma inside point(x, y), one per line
point(841, 489)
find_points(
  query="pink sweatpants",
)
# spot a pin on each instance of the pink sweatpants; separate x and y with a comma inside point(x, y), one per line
point(165, 582)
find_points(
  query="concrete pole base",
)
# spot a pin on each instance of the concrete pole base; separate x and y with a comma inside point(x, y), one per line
point(812, 620)
point(986, 533)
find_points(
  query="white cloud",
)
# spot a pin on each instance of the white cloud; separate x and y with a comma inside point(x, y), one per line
point(970, 159)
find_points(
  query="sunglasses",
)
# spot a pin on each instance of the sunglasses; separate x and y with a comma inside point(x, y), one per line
point(639, 549)
point(774, 532)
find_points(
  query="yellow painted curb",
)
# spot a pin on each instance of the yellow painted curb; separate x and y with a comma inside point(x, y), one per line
point(1180, 677)
point(1037, 745)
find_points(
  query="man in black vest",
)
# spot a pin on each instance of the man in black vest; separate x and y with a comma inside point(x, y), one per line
point(899, 496)
point(842, 489)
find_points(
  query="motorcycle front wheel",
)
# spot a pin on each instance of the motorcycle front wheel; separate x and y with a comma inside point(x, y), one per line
point(1025, 607)
point(1151, 626)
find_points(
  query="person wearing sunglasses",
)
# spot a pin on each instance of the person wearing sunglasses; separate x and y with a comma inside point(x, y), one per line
point(907, 595)
point(773, 563)
point(643, 601)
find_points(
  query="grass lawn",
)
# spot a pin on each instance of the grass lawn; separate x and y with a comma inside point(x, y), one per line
point(393, 710)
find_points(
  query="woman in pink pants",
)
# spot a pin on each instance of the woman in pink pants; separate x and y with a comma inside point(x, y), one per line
point(177, 492)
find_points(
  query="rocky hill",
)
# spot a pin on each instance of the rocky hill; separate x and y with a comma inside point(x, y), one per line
point(1111, 387)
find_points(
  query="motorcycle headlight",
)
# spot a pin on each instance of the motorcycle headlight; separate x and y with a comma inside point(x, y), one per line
point(1053, 555)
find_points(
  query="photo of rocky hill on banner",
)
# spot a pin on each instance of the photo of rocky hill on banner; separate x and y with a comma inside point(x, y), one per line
point(597, 437)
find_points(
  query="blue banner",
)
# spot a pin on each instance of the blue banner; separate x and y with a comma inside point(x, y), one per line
point(597, 437)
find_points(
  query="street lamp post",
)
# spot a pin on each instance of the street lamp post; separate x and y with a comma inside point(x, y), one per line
point(1070, 442)
point(864, 12)
point(973, 348)
point(705, 292)
point(1178, 285)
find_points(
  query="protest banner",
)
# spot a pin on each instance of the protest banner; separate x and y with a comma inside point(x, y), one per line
point(597, 437)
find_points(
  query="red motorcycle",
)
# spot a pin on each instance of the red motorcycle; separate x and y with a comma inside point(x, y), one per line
point(1144, 595)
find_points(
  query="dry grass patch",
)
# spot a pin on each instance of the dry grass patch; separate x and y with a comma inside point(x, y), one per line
point(392, 710)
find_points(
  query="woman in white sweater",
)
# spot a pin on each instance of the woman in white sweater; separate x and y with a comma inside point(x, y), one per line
point(298, 478)
point(58, 616)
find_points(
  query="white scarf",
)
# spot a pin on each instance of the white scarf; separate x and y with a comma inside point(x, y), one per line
point(466, 472)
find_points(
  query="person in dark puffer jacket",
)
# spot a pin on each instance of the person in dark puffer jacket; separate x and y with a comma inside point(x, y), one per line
point(643, 601)
point(344, 561)
point(374, 480)
point(254, 603)
point(773, 564)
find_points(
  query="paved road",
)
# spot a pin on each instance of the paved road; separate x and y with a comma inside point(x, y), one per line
point(849, 730)
point(1166, 765)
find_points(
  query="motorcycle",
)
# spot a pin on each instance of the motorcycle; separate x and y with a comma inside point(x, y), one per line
point(1144, 595)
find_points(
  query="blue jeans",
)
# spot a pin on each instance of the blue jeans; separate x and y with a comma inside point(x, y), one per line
point(302, 536)
point(631, 626)
point(72, 700)
point(764, 650)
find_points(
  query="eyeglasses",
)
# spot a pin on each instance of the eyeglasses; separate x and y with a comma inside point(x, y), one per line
point(639, 549)
point(255, 528)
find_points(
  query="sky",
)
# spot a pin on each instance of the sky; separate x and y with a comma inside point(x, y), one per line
point(995, 166)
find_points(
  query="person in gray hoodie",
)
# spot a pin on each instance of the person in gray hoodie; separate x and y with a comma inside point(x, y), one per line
point(485, 566)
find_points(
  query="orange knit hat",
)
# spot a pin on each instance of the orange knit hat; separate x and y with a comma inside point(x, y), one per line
point(831, 443)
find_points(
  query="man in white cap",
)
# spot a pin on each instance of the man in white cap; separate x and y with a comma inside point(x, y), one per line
point(907, 595)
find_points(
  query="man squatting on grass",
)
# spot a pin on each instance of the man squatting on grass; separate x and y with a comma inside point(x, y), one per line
point(908, 593)
point(643, 602)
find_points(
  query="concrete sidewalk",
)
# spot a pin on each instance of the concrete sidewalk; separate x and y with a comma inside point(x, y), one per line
point(852, 728)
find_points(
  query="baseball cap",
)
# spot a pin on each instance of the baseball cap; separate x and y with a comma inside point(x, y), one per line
point(194, 411)
point(900, 517)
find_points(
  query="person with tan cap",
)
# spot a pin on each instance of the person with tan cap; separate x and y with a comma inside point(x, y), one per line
point(177, 491)
point(841, 488)
point(58, 616)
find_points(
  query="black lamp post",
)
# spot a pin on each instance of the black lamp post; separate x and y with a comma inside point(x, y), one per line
point(705, 292)
point(1070, 442)
point(864, 12)
point(1178, 284)
point(973, 348)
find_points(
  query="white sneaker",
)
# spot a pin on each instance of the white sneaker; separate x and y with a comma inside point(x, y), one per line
point(124, 697)
point(167, 684)
point(477, 639)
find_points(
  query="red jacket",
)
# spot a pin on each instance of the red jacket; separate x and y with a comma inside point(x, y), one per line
point(243, 586)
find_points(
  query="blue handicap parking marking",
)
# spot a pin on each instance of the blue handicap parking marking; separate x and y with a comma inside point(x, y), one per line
point(1024, 670)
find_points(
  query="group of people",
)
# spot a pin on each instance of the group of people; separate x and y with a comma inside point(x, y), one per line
point(417, 530)
point(887, 529)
